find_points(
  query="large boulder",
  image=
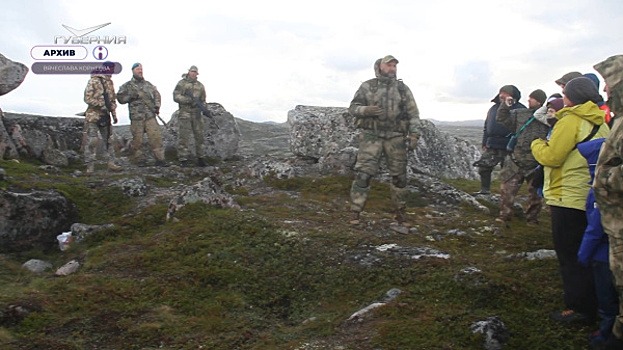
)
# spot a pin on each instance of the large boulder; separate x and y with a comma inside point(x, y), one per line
point(328, 135)
point(33, 219)
point(221, 134)
point(12, 74)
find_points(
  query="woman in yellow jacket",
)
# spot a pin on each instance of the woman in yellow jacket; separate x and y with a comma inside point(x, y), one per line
point(565, 190)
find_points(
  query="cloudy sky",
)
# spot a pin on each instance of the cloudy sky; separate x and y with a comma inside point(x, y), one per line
point(260, 59)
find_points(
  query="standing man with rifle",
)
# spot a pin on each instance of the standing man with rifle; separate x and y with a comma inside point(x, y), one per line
point(144, 106)
point(100, 96)
point(190, 94)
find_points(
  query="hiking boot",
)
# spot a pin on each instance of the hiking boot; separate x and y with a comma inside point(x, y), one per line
point(161, 163)
point(354, 218)
point(201, 163)
point(113, 167)
point(185, 163)
point(90, 168)
point(481, 193)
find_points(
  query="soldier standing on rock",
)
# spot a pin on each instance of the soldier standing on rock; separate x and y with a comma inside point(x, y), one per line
point(388, 117)
point(189, 93)
point(144, 105)
point(99, 95)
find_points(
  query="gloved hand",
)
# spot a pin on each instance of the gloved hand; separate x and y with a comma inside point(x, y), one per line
point(372, 111)
point(114, 117)
point(413, 139)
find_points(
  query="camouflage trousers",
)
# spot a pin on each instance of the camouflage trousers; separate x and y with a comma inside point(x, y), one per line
point(154, 136)
point(616, 266)
point(371, 149)
point(489, 159)
point(512, 178)
point(96, 135)
point(190, 125)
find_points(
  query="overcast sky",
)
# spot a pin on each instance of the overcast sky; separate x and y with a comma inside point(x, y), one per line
point(260, 59)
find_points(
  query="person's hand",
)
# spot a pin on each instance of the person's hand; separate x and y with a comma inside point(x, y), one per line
point(509, 101)
point(157, 111)
point(413, 139)
point(372, 111)
point(114, 118)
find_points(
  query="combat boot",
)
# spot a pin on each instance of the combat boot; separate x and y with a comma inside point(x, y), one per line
point(161, 163)
point(354, 218)
point(113, 167)
point(401, 218)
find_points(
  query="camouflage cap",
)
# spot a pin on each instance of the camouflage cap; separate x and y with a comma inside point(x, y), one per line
point(193, 69)
point(388, 59)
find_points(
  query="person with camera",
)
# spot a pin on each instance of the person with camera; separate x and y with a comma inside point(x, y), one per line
point(495, 137)
point(100, 97)
point(519, 164)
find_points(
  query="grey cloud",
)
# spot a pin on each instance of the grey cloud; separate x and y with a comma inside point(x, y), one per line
point(472, 83)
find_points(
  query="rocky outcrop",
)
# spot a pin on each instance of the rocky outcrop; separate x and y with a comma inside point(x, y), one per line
point(328, 135)
point(53, 139)
point(12, 74)
point(221, 134)
point(33, 219)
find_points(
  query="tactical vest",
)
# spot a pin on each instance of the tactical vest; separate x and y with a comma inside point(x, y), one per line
point(381, 123)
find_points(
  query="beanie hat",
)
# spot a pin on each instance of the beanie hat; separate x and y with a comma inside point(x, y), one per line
point(509, 89)
point(567, 77)
point(539, 95)
point(556, 104)
point(580, 90)
point(593, 78)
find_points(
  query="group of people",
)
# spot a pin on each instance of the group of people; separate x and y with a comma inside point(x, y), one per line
point(561, 146)
point(144, 103)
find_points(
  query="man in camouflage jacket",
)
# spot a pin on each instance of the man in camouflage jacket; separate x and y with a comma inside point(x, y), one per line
point(99, 95)
point(144, 105)
point(608, 183)
point(188, 93)
point(388, 117)
point(519, 164)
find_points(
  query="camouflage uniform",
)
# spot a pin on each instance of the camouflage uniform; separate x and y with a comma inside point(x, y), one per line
point(190, 119)
point(94, 98)
point(383, 135)
point(520, 165)
point(608, 183)
point(144, 102)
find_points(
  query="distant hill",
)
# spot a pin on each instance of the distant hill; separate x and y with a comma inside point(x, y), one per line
point(470, 130)
point(267, 138)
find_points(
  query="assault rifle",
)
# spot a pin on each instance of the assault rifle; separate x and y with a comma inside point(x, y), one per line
point(204, 109)
point(149, 102)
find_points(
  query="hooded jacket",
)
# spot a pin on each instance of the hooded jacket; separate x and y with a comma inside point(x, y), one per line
point(187, 91)
point(595, 241)
point(386, 93)
point(608, 183)
point(566, 181)
point(495, 134)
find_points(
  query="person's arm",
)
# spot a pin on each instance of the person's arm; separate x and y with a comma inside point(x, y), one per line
point(609, 170)
point(553, 153)
point(179, 94)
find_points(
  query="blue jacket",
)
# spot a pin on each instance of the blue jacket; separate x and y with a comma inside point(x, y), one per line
point(594, 245)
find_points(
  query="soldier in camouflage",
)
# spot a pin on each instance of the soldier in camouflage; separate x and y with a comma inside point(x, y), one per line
point(99, 95)
point(144, 105)
point(188, 93)
point(388, 118)
point(519, 164)
point(608, 183)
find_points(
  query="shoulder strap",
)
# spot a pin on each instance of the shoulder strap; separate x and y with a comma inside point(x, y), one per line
point(525, 125)
point(589, 136)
